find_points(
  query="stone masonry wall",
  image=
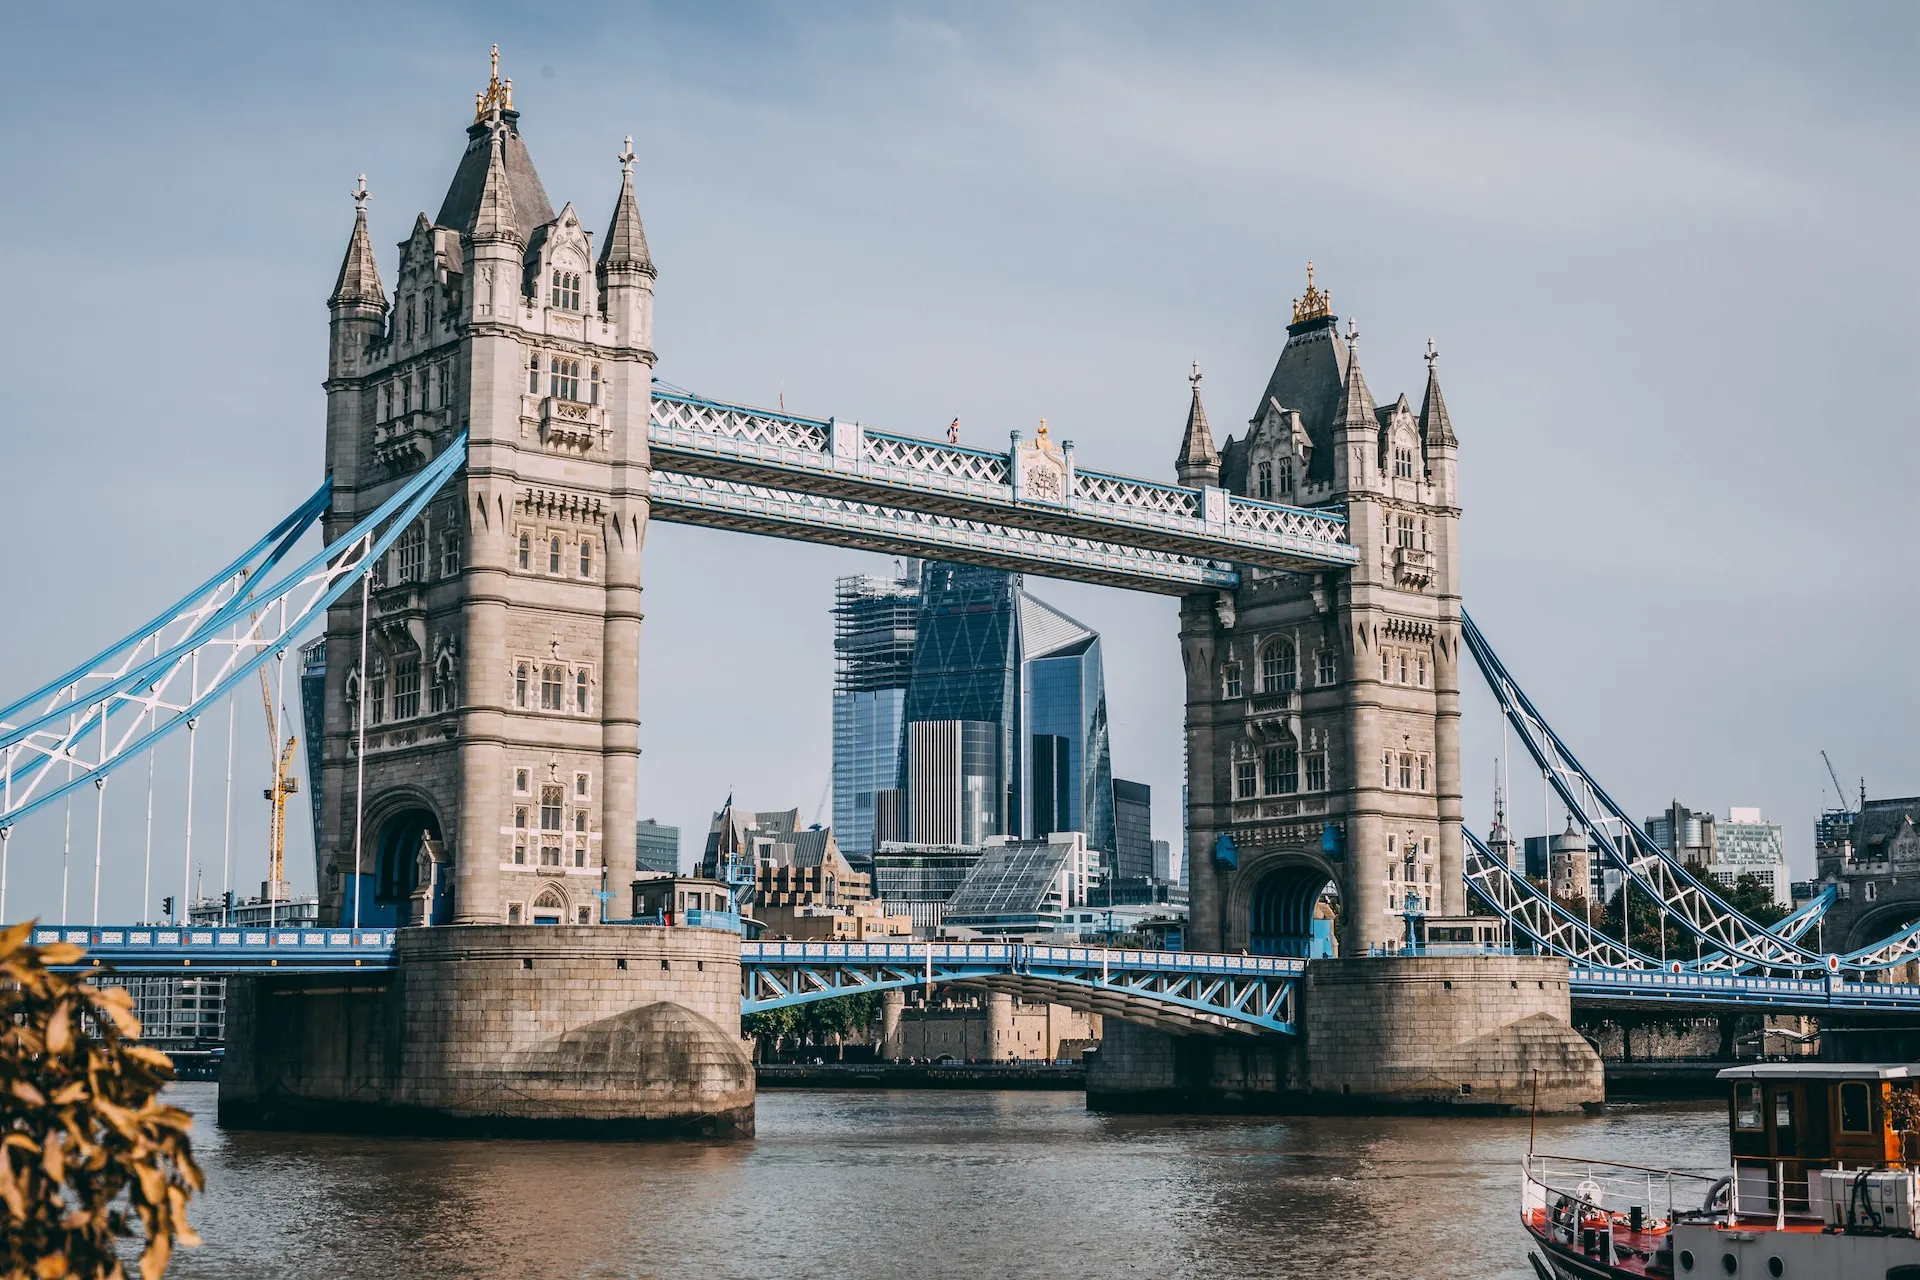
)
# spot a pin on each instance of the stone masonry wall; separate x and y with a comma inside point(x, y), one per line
point(1428, 1030)
point(600, 1031)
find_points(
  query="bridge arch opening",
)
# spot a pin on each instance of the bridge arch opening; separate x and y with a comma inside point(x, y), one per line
point(550, 907)
point(1281, 912)
point(396, 862)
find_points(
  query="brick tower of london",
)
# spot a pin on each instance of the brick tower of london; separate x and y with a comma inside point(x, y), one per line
point(501, 668)
point(1323, 711)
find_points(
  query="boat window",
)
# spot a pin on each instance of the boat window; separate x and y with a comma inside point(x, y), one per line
point(1853, 1108)
point(1747, 1107)
point(1783, 1111)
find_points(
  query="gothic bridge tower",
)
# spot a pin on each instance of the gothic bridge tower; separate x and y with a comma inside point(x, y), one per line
point(501, 665)
point(1323, 710)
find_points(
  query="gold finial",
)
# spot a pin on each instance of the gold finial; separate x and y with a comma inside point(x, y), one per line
point(1317, 302)
point(499, 92)
point(1043, 430)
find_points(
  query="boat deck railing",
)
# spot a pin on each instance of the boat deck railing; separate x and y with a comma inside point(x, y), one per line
point(1603, 1210)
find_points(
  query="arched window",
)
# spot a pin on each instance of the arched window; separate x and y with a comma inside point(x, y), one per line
point(586, 557)
point(520, 685)
point(1403, 463)
point(565, 290)
point(552, 681)
point(563, 381)
point(550, 907)
point(593, 385)
point(1265, 483)
point(533, 374)
point(526, 550)
point(353, 699)
point(580, 692)
point(1232, 678)
point(1286, 475)
point(1278, 671)
point(553, 555)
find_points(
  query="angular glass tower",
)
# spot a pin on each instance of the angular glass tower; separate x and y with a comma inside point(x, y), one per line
point(960, 777)
point(873, 643)
point(1068, 761)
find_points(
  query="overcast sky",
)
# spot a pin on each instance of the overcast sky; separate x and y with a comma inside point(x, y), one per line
point(1666, 252)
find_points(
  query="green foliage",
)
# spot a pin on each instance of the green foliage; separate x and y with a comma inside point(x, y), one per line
point(838, 1019)
point(81, 1127)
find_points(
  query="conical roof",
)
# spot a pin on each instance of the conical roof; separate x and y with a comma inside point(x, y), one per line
point(1196, 447)
point(626, 242)
point(531, 208)
point(359, 281)
point(1356, 410)
point(494, 213)
point(1435, 427)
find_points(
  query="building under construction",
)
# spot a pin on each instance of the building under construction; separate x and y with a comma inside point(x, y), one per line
point(874, 622)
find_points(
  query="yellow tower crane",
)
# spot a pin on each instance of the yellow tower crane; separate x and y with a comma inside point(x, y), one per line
point(285, 783)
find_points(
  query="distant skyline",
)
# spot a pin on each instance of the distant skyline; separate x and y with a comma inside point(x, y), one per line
point(1665, 254)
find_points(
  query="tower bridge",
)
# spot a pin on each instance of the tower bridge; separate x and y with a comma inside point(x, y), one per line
point(497, 442)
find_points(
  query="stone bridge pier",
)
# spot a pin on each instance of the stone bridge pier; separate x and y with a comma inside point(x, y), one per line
point(601, 1032)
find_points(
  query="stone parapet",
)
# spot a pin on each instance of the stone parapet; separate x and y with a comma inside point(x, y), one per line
point(601, 1031)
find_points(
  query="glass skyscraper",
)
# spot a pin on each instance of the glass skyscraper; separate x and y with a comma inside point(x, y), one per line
point(1068, 766)
point(873, 646)
point(963, 709)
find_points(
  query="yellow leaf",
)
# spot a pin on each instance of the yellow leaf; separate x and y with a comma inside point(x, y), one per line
point(147, 1054)
point(70, 1094)
point(50, 1268)
point(28, 1094)
point(153, 1263)
point(61, 953)
point(53, 1160)
point(13, 935)
point(60, 1029)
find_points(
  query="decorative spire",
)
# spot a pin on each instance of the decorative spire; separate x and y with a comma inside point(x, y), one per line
point(1316, 303)
point(1356, 410)
point(359, 282)
point(626, 244)
point(494, 217)
point(1199, 461)
point(1435, 427)
point(499, 93)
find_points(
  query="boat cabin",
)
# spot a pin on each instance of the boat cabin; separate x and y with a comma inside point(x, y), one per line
point(1825, 1115)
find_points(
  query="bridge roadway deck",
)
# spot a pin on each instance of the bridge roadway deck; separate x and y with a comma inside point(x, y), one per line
point(1191, 992)
point(759, 463)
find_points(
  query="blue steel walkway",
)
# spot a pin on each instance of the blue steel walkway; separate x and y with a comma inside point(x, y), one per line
point(1187, 992)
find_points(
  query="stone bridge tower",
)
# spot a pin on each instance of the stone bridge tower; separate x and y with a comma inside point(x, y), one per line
point(502, 646)
point(1323, 710)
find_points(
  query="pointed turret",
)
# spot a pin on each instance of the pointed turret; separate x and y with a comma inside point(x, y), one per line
point(1199, 462)
point(626, 244)
point(359, 282)
point(1356, 411)
point(493, 215)
point(626, 269)
point(1436, 429)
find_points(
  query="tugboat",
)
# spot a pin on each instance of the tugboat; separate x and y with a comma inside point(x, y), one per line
point(1825, 1186)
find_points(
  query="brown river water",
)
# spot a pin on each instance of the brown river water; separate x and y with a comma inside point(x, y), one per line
point(859, 1185)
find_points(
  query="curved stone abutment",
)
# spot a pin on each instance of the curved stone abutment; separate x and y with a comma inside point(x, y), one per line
point(598, 1031)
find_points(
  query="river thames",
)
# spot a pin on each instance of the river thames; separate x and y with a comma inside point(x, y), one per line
point(859, 1185)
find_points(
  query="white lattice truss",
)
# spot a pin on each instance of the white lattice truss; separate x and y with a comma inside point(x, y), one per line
point(1551, 927)
point(809, 517)
point(1178, 991)
point(1727, 938)
point(159, 678)
point(689, 434)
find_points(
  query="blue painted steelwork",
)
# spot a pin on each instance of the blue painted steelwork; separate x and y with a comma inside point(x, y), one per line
point(861, 468)
point(1186, 990)
point(1791, 995)
point(1729, 939)
point(128, 706)
point(218, 952)
point(840, 522)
